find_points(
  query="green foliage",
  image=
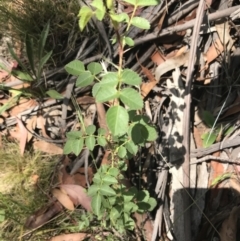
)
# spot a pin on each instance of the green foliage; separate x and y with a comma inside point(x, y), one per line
point(37, 62)
point(30, 16)
point(126, 130)
point(111, 197)
point(54, 94)
point(216, 132)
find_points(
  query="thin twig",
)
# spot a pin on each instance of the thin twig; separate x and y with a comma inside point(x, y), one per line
point(216, 158)
point(189, 24)
point(216, 147)
point(186, 123)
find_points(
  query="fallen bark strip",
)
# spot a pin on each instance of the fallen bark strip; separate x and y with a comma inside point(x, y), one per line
point(167, 31)
point(215, 147)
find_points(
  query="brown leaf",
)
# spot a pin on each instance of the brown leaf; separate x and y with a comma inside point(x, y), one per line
point(31, 125)
point(101, 113)
point(171, 64)
point(158, 58)
point(20, 134)
point(70, 237)
point(214, 51)
point(47, 147)
point(41, 122)
point(23, 105)
point(78, 195)
point(147, 87)
point(43, 215)
point(63, 198)
point(85, 100)
point(78, 178)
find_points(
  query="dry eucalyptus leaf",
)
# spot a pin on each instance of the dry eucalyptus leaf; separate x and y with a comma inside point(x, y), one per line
point(70, 237)
point(78, 195)
point(63, 198)
point(47, 147)
point(171, 64)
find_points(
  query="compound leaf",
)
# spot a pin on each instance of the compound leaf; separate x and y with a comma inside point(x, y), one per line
point(117, 120)
point(131, 98)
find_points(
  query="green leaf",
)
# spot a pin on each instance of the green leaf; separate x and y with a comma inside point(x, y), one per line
point(221, 178)
point(145, 3)
point(101, 140)
point(153, 203)
point(133, 2)
point(113, 171)
point(22, 76)
point(101, 131)
point(117, 120)
point(74, 146)
point(129, 41)
point(90, 129)
point(152, 133)
point(122, 152)
point(107, 179)
point(122, 166)
point(90, 142)
point(85, 15)
point(105, 203)
point(131, 147)
point(97, 178)
point(139, 133)
point(143, 207)
point(15, 57)
point(119, 17)
point(140, 22)
point(208, 118)
point(94, 68)
point(208, 140)
point(109, 79)
point(29, 50)
point(74, 134)
point(115, 213)
point(107, 191)
point(96, 204)
point(75, 67)
point(67, 149)
point(10, 103)
point(2, 215)
point(112, 200)
point(229, 131)
point(43, 61)
point(131, 98)
point(84, 79)
point(130, 207)
point(130, 194)
point(98, 4)
point(142, 196)
point(43, 39)
point(103, 169)
point(101, 10)
point(100, 14)
point(54, 94)
point(103, 94)
point(130, 77)
point(92, 190)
